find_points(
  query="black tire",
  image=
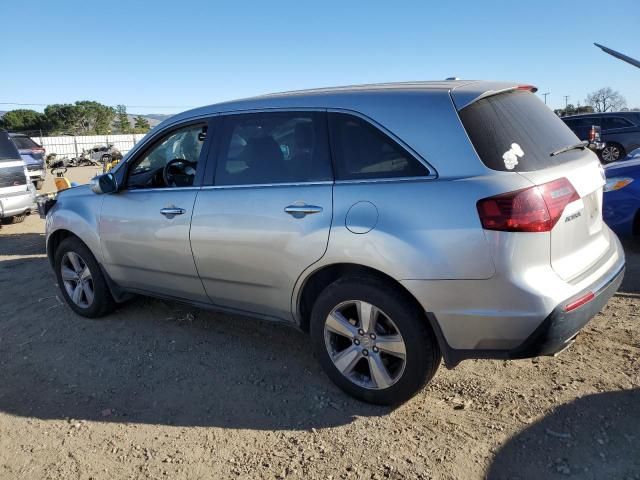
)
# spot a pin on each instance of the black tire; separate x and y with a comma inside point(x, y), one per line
point(103, 302)
point(39, 184)
point(422, 352)
point(612, 152)
point(14, 219)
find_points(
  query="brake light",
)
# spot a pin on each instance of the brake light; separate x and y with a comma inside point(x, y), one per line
point(579, 302)
point(592, 134)
point(533, 209)
point(530, 88)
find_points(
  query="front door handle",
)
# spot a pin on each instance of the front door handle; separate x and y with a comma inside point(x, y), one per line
point(299, 211)
point(171, 211)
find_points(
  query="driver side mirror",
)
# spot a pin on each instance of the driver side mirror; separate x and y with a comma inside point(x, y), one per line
point(105, 183)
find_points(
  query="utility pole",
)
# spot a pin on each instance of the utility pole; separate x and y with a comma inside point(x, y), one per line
point(545, 97)
point(566, 101)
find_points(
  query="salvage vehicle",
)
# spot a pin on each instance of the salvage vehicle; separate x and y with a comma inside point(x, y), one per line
point(397, 224)
point(33, 155)
point(621, 208)
point(17, 193)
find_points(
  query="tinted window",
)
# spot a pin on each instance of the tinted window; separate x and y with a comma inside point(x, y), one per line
point(24, 143)
point(362, 151)
point(516, 131)
point(8, 150)
point(263, 148)
point(609, 123)
point(171, 162)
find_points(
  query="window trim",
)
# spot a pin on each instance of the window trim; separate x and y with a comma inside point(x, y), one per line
point(159, 136)
point(431, 172)
point(630, 124)
point(215, 150)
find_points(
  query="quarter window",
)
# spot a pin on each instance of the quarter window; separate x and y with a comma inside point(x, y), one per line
point(362, 151)
point(171, 162)
point(609, 123)
point(279, 147)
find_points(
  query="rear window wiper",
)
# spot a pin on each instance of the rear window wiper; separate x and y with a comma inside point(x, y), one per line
point(582, 145)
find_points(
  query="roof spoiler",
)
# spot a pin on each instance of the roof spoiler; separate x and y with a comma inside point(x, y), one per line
point(468, 94)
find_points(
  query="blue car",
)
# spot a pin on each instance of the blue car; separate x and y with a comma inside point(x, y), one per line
point(621, 202)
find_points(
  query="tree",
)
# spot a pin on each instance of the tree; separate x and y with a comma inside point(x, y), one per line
point(122, 120)
point(571, 110)
point(23, 120)
point(82, 118)
point(606, 100)
point(141, 124)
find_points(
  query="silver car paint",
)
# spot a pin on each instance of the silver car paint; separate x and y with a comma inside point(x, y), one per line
point(425, 233)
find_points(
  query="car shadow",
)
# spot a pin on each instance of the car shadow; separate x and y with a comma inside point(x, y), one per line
point(156, 362)
point(21, 243)
point(593, 437)
point(631, 282)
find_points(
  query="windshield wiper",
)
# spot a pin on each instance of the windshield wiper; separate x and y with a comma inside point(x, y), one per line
point(582, 145)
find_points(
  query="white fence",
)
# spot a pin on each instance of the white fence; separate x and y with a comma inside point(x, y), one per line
point(72, 146)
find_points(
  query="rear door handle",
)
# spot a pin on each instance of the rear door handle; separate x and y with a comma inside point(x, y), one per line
point(171, 211)
point(299, 211)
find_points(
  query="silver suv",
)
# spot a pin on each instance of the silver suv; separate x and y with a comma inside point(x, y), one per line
point(396, 223)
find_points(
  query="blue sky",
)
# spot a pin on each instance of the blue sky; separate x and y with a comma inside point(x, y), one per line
point(152, 55)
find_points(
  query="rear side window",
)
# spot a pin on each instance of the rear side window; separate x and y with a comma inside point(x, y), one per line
point(609, 123)
point(8, 150)
point(362, 151)
point(24, 143)
point(278, 147)
point(515, 131)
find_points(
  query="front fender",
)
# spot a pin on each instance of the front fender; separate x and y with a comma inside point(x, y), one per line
point(77, 211)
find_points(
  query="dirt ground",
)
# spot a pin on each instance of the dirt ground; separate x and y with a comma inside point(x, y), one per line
point(163, 390)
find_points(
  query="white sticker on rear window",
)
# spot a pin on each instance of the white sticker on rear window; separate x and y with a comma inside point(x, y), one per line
point(510, 157)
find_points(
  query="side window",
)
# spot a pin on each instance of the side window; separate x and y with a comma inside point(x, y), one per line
point(362, 151)
point(170, 162)
point(609, 123)
point(279, 147)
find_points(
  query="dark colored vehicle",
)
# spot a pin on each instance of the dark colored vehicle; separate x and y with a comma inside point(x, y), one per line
point(620, 132)
point(33, 155)
point(621, 200)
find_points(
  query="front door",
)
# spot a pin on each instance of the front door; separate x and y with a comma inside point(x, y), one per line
point(267, 216)
point(144, 228)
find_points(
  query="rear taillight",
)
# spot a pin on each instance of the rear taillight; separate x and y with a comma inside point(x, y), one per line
point(592, 134)
point(533, 209)
point(37, 150)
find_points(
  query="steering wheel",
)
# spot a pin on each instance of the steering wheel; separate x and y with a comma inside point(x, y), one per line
point(179, 173)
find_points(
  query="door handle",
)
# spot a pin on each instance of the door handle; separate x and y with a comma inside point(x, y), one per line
point(299, 211)
point(171, 211)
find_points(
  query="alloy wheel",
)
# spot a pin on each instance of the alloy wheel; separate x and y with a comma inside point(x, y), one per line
point(365, 345)
point(77, 279)
point(610, 153)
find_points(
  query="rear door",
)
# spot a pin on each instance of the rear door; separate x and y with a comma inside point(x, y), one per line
point(266, 217)
point(515, 131)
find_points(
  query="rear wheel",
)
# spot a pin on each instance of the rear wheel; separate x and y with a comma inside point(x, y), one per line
point(14, 219)
point(81, 281)
point(612, 152)
point(373, 341)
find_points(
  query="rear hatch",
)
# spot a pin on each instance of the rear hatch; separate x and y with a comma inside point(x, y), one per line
point(13, 177)
point(513, 131)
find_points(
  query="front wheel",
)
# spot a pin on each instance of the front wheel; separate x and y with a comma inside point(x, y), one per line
point(14, 219)
point(373, 341)
point(81, 281)
point(612, 152)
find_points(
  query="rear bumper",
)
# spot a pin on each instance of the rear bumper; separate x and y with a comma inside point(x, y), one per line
point(17, 204)
point(556, 332)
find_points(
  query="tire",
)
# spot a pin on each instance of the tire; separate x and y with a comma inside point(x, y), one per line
point(39, 184)
point(14, 219)
point(101, 302)
point(612, 152)
point(395, 314)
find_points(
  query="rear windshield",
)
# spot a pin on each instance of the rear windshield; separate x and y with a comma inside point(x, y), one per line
point(8, 150)
point(515, 131)
point(24, 143)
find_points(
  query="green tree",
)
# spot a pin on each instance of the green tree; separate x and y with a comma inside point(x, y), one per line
point(122, 120)
point(82, 118)
point(141, 124)
point(23, 120)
